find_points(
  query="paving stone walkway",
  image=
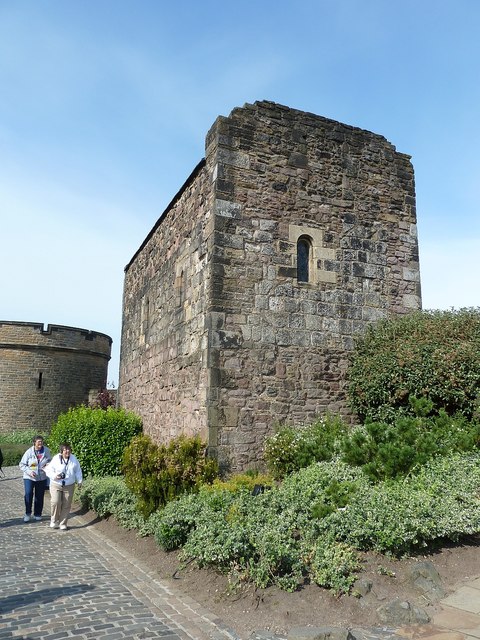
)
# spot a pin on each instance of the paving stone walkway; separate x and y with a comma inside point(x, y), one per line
point(75, 584)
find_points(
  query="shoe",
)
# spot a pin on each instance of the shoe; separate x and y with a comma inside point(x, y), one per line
point(26, 518)
point(53, 525)
point(37, 518)
point(63, 527)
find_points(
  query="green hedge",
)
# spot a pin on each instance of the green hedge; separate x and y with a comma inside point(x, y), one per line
point(98, 437)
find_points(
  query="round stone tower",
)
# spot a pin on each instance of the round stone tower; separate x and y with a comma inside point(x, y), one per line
point(45, 371)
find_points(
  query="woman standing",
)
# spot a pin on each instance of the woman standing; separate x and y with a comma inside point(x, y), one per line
point(33, 464)
point(64, 470)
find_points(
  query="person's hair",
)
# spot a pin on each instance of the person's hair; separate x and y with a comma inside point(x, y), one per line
point(63, 446)
point(38, 438)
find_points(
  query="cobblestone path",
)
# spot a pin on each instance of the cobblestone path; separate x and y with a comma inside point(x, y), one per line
point(75, 584)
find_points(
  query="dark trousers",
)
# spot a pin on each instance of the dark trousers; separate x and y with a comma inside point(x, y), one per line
point(34, 492)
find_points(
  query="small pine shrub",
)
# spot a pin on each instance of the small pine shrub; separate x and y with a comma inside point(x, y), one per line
point(97, 437)
point(159, 473)
point(291, 449)
point(336, 496)
point(390, 450)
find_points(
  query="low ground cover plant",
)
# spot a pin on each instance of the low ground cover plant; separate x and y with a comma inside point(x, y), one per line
point(110, 496)
point(313, 525)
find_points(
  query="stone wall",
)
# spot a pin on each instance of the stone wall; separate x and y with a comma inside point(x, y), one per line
point(44, 372)
point(267, 348)
point(163, 360)
point(280, 347)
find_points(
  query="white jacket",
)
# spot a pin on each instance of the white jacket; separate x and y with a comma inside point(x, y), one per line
point(72, 470)
point(34, 468)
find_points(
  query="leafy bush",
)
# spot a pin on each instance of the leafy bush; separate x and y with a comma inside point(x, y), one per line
point(429, 354)
point(265, 538)
point(158, 473)
point(294, 448)
point(279, 537)
point(97, 437)
point(386, 450)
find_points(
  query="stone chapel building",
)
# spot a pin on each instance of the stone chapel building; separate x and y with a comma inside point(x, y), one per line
point(241, 305)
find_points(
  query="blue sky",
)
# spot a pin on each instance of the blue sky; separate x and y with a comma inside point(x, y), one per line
point(105, 104)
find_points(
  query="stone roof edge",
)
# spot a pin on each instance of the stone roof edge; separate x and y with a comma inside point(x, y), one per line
point(176, 197)
point(49, 328)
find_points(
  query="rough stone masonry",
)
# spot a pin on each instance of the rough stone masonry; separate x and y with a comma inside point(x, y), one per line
point(241, 306)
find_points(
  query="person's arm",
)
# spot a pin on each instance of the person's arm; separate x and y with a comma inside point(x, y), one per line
point(78, 474)
point(24, 462)
point(50, 469)
point(46, 458)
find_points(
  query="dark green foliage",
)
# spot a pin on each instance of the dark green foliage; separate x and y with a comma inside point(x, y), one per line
point(389, 450)
point(291, 449)
point(432, 355)
point(97, 437)
point(159, 473)
point(337, 495)
point(12, 454)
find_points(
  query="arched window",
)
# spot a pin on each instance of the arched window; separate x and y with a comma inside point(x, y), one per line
point(304, 258)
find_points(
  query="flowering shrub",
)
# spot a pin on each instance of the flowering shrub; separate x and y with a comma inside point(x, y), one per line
point(426, 354)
